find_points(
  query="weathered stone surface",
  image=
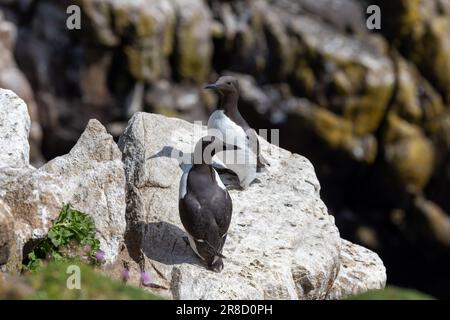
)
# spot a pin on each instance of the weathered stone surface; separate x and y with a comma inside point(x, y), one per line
point(14, 131)
point(282, 242)
point(91, 177)
point(6, 234)
point(361, 270)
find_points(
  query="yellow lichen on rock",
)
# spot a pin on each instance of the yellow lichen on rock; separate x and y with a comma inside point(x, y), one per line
point(409, 153)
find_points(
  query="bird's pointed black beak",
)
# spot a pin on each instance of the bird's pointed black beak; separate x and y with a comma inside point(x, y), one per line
point(211, 86)
point(228, 146)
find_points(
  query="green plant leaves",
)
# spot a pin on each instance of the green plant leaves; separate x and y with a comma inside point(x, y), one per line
point(72, 236)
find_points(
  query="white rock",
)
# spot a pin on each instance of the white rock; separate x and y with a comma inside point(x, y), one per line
point(14, 130)
point(361, 270)
point(282, 242)
point(91, 177)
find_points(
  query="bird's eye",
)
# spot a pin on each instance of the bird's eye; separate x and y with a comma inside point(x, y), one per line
point(229, 83)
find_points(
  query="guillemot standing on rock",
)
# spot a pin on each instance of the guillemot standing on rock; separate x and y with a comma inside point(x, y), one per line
point(229, 125)
point(204, 204)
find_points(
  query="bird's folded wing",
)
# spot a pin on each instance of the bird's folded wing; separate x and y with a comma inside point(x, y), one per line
point(256, 148)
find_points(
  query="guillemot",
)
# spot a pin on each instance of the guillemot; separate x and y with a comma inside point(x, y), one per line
point(228, 124)
point(205, 206)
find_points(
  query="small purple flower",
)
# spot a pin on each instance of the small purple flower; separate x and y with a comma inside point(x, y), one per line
point(100, 255)
point(146, 278)
point(125, 275)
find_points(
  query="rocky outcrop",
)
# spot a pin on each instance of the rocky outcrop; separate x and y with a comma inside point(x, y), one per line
point(282, 242)
point(91, 177)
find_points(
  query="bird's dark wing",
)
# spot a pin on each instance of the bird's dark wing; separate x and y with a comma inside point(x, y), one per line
point(253, 138)
point(201, 225)
point(191, 216)
point(222, 217)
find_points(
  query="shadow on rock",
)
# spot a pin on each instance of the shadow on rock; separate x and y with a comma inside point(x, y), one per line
point(184, 159)
point(163, 242)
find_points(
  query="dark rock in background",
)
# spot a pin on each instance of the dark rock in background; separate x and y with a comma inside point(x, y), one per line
point(370, 110)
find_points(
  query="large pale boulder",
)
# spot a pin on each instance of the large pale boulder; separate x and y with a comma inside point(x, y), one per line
point(282, 242)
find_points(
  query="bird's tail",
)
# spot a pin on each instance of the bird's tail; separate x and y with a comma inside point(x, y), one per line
point(261, 164)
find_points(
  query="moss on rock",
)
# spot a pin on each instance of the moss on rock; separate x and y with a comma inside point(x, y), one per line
point(420, 29)
point(193, 49)
point(408, 153)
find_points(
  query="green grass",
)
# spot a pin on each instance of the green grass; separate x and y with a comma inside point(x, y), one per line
point(392, 293)
point(71, 241)
point(50, 283)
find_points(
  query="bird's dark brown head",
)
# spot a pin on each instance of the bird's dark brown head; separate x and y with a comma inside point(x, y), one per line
point(208, 146)
point(225, 85)
point(228, 89)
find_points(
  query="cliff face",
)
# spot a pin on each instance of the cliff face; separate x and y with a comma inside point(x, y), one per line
point(370, 110)
point(282, 243)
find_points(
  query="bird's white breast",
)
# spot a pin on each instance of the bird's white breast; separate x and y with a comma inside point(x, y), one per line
point(183, 184)
point(242, 161)
point(219, 181)
point(223, 127)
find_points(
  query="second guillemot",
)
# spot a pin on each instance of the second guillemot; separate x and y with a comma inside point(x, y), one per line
point(228, 124)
